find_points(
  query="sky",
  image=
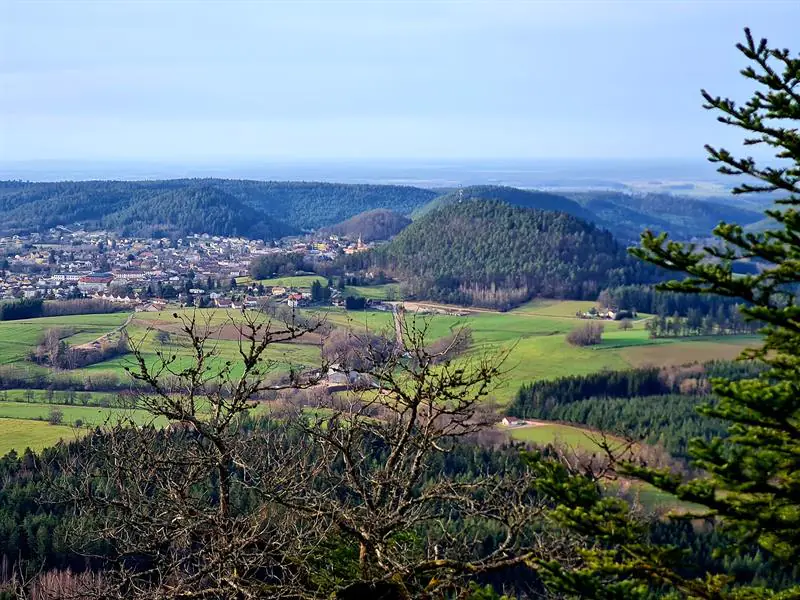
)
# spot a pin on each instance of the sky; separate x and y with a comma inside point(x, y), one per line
point(299, 80)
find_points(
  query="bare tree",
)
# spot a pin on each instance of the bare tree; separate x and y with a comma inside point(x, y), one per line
point(55, 416)
point(589, 334)
point(375, 481)
point(349, 498)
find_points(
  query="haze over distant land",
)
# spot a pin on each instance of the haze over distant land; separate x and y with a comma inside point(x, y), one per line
point(680, 176)
point(192, 86)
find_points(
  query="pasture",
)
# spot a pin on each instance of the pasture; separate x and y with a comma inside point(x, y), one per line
point(293, 281)
point(18, 434)
point(75, 398)
point(87, 415)
point(386, 291)
point(575, 438)
point(19, 338)
point(579, 440)
point(533, 337)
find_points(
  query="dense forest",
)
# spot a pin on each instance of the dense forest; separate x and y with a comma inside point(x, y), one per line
point(224, 207)
point(658, 405)
point(722, 322)
point(627, 215)
point(489, 253)
point(624, 214)
point(178, 212)
point(377, 224)
point(35, 536)
point(678, 315)
point(511, 195)
point(32, 308)
point(646, 299)
point(268, 209)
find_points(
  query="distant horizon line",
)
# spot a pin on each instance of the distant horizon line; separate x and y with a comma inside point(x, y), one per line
point(337, 159)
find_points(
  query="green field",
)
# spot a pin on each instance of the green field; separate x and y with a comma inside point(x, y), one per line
point(294, 281)
point(18, 338)
point(555, 433)
point(533, 335)
point(17, 434)
point(554, 308)
point(373, 320)
point(89, 415)
point(582, 440)
point(224, 339)
point(374, 292)
point(58, 397)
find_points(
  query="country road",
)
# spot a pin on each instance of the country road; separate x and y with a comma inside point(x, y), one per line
point(105, 336)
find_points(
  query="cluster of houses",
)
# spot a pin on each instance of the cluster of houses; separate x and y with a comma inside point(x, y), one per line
point(67, 263)
point(606, 314)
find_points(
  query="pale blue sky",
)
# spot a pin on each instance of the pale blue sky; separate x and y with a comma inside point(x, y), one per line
point(207, 79)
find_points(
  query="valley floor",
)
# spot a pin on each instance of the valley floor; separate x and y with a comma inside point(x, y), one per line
point(533, 335)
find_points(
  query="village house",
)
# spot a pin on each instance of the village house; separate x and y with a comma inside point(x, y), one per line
point(295, 300)
point(62, 277)
point(95, 282)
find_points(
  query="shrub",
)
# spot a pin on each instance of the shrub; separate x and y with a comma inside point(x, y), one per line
point(56, 416)
point(586, 335)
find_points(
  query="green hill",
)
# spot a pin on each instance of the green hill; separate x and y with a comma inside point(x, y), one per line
point(627, 215)
point(491, 253)
point(273, 208)
point(217, 206)
point(311, 205)
point(193, 210)
point(377, 224)
point(515, 196)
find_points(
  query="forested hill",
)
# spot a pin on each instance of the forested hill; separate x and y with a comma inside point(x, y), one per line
point(627, 215)
point(490, 253)
point(194, 210)
point(378, 224)
point(267, 209)
point(515, 196)
point(314, 205)
point(623, 214)
point(219, 206)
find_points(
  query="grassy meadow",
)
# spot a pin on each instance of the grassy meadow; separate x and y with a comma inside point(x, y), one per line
point(580, 440)
point(533, 336)
point(87, 415)
point(555, 433)
point(374, 292)
point(18, 434)
point(18, 338)
point(292, 281)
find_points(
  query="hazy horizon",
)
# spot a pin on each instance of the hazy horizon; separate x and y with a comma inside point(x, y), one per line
point(694, 177)
point(194, 81)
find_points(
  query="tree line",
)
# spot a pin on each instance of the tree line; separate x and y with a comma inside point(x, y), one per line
point(33, 308)
point(723, 321)
point(648, 299)
point(536, 398)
